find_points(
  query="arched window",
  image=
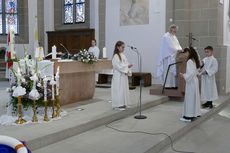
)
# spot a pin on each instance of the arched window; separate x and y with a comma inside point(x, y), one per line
point(74, 11)
point(8, 16)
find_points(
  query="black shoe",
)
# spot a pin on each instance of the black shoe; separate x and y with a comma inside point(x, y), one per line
point(205, 105)
point(211, 106)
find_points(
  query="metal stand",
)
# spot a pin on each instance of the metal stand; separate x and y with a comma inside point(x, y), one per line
point(139, 116)
point(163, 90)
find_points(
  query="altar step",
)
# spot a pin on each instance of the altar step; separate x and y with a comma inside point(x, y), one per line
point(167, 92)
point(163, 118)
point(77, 122)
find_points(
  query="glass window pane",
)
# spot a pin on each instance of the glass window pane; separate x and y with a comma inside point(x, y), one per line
point(68, 14)
point(11, 6)
point(68, 2)
point(1, 24)
point(80, 12)
point(80, 1)
point(0, 6)
point(12, 21)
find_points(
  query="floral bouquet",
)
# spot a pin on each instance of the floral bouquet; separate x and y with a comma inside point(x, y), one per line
point(27, 83)
point(85, 57)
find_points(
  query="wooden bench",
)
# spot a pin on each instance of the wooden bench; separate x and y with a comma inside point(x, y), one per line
point(147, 77)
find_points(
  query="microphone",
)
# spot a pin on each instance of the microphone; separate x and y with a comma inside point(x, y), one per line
point(65, 50)
point(64, 47)
point(132, 47)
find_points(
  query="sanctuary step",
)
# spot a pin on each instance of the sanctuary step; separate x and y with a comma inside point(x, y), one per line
point(162, 118)
point(95, 113)
point(167, 92)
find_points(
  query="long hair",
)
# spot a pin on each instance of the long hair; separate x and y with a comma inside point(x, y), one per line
point(193, 56)
point(116, 51)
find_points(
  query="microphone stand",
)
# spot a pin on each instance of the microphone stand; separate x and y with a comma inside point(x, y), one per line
point(139, 116)
point(65, 49)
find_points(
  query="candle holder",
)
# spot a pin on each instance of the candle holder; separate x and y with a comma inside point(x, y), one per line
point(53, 107)
point(34, 109)
point(20, 120)
point(46, 116)
point(58, 112)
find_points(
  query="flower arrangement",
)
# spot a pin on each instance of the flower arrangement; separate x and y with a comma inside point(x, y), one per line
point(85, 57)
point(25, 80)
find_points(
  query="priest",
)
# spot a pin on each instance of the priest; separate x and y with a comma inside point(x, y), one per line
point(170, 46)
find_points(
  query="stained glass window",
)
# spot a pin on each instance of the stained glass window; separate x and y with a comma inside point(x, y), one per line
point(74, 11)
point(1, 31)
point(10, 15)
point(80, 11)
point(68, 11)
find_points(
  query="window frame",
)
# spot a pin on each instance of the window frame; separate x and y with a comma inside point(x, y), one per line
point(74, 12)
point(4, 14)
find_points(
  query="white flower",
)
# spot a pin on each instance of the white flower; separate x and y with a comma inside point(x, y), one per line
point(13, 87)
point(23, 80)
point(39, 85)
point(7, 89)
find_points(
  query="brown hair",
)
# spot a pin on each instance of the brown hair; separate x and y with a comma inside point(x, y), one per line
point(116, 51)
point(193, 56)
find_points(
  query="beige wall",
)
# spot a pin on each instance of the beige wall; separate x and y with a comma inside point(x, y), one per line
point(204, 18)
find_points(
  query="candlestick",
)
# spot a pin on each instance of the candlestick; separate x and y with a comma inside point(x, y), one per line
point(20, 120)
point(34, 110)
point(58, 112)
point(53, 108)
point(46, 116)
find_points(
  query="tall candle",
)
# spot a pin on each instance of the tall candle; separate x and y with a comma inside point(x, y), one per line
point(52, 83)
point(19, 77)
point(104, 53)
point(54, 52)
point(45, 88)
point(12, 43)
point(57, 80)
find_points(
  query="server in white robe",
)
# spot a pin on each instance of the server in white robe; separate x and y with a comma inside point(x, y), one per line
point(121, 71)
point(192, 95)
point(170, 46)
point(94, 49)
point(96, 52)
point(208, 81)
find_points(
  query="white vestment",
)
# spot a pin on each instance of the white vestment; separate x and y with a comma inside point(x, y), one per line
point(192, 94)
point(120, 84)
point(95, 50)
point(208, 81)
point(169, 47)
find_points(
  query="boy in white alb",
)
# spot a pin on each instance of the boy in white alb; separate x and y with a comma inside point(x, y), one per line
point(208, 80)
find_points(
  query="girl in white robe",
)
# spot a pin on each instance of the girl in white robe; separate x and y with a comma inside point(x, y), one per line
point(94, 49)
point(208, 81)
point(121, 71)
point(192, 95)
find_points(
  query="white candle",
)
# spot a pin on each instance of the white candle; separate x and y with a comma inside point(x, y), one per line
point(45, 88)
point(19, 77)
point(54, 52)
point(12, 43)
point(57, 80)
point(53, 83)
point(34, 79)
point(104, 53)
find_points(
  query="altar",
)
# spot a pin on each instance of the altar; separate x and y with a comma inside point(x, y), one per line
point(77, 79)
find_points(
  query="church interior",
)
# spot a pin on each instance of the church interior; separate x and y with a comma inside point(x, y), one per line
point(114, 76)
